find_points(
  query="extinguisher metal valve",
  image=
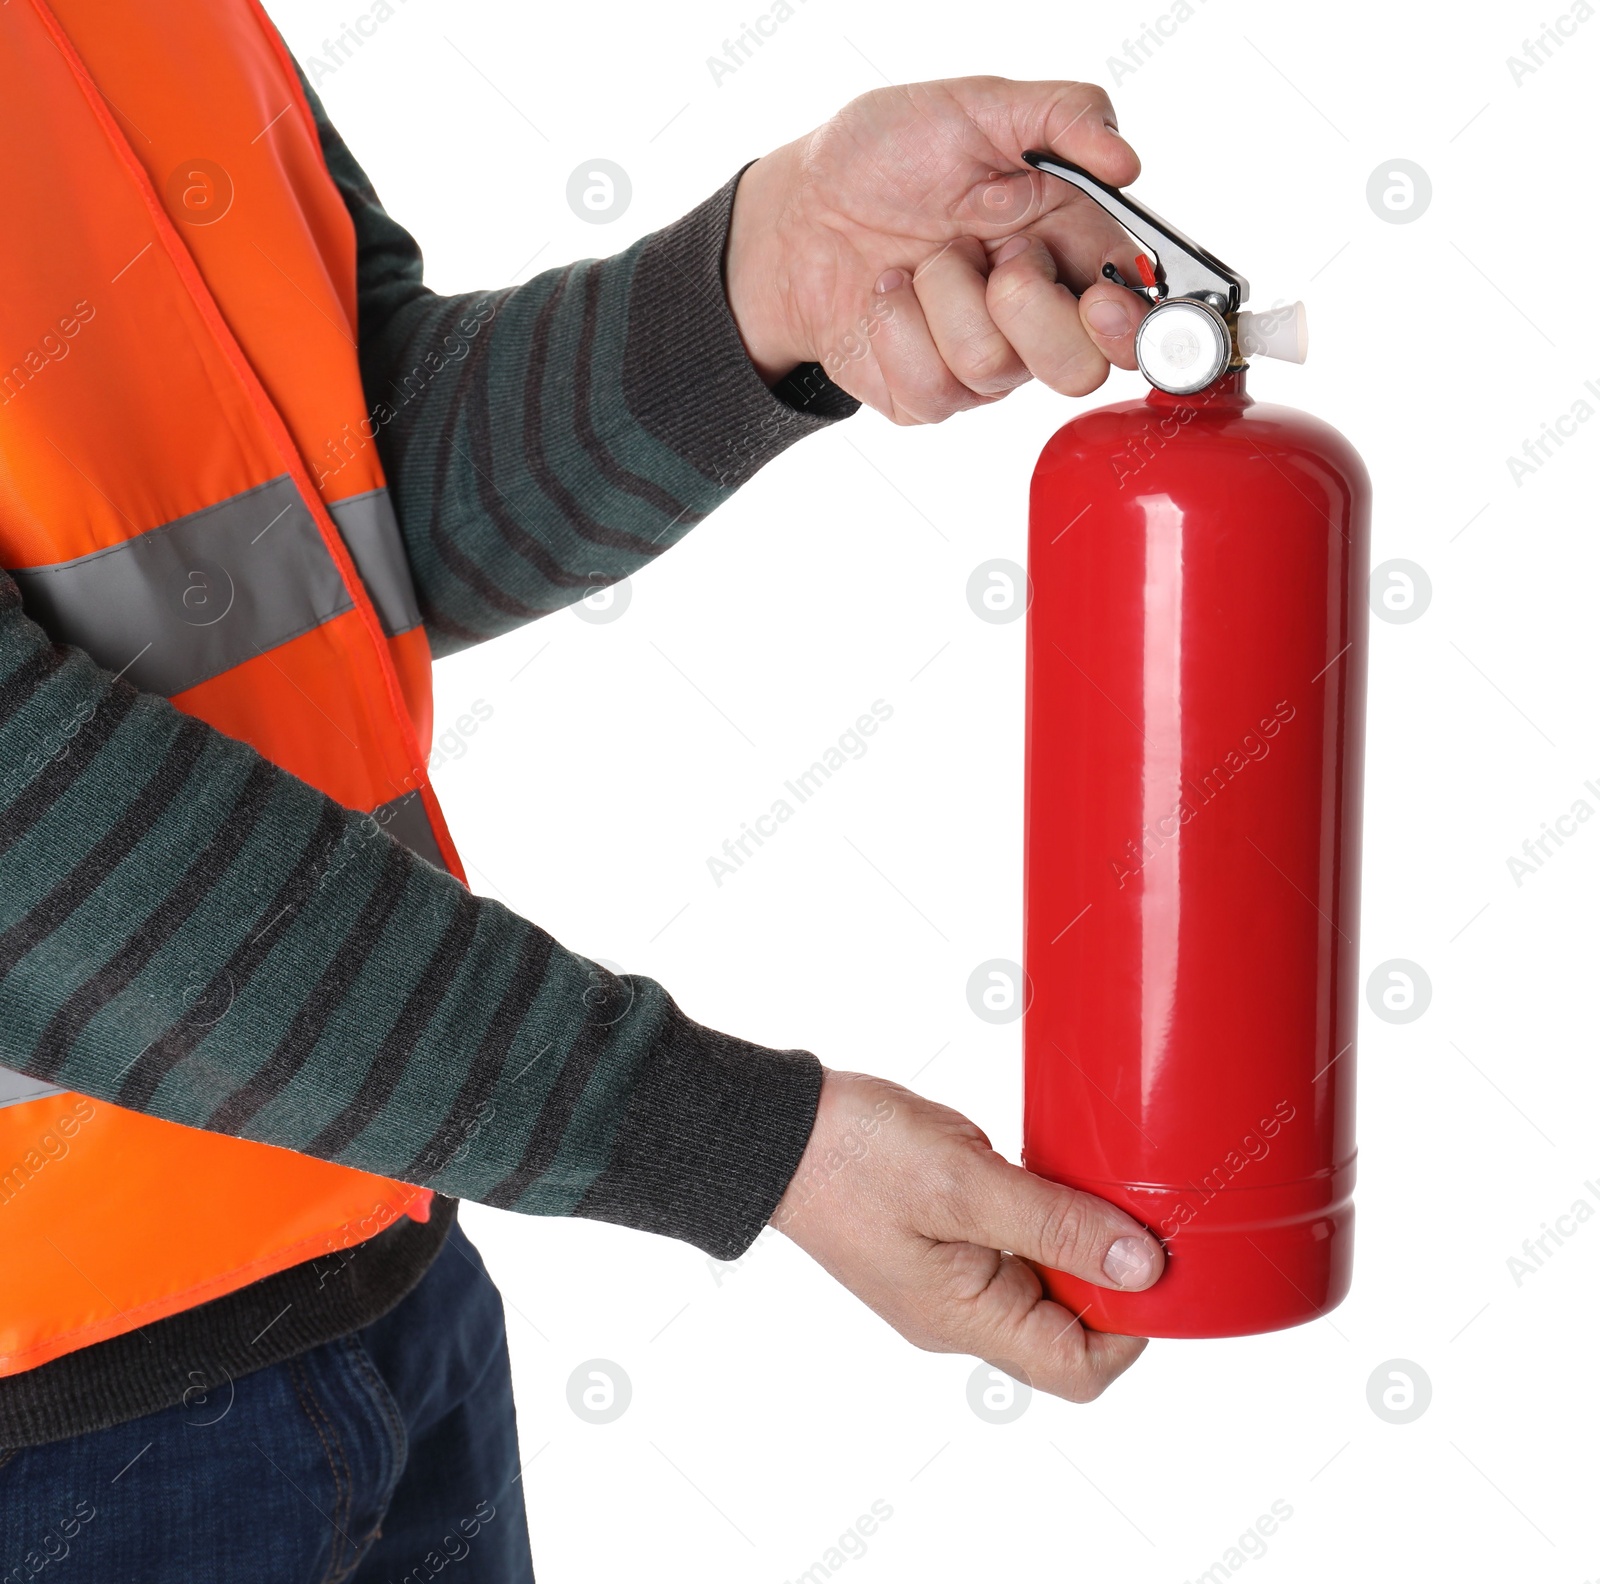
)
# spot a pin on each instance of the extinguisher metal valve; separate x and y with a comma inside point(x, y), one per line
point(1183, 345)
point(1188, 339)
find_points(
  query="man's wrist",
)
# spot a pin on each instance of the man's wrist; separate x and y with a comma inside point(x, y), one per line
point(714, 1131)
point(755, 269)
point(687, 377)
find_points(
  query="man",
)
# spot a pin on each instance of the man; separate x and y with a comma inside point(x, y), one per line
point(257, 1037)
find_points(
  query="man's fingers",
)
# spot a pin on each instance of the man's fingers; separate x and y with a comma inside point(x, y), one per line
point(1083, 239)
point(1070, 1360)
point(1004, 1207)
point(1040, 318)
point(1072, 119)
point(1112, 317)
point(1022, 1332)
point(918, 386)
point(952, 288)
point(1080, 124)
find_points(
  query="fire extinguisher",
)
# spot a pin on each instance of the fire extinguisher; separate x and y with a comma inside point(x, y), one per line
point(1196, 687)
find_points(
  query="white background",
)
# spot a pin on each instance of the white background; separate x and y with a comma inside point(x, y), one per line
point(769, 1410)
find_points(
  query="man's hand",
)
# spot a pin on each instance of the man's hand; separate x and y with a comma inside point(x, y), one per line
point(906, 247)
point(905, 1203)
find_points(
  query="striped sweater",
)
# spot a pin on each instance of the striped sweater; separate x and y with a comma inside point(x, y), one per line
point(362, 1005)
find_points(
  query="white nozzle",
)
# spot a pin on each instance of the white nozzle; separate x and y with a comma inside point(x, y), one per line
point(1277, 333)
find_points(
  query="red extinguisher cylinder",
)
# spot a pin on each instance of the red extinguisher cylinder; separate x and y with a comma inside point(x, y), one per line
point(1196, 686)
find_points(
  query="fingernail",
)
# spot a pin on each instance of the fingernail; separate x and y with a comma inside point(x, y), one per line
point(1111, 127)
point(891, 280)
point(1109, 317)
point(1009, 249)
point(1128, 1262)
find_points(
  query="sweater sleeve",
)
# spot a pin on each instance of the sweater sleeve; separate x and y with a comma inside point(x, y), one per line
point(544, 440)
point(187, 930)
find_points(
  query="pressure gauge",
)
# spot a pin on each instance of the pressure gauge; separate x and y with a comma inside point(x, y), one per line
point(1183, 345)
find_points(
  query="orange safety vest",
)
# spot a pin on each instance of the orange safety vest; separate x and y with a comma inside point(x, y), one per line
point(189, 492)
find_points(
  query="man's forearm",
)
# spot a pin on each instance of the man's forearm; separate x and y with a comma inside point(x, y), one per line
point(547, 439)
point(190, 931)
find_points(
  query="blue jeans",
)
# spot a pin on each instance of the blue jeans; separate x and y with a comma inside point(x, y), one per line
point(386, 1457)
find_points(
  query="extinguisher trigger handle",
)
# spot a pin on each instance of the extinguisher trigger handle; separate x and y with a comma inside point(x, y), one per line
point(1181, 268)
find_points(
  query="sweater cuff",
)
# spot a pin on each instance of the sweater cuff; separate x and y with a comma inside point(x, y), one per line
point(713, 1133)
point(686, 375)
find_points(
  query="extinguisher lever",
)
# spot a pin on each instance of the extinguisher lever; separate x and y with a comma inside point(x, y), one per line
point(1183, 267)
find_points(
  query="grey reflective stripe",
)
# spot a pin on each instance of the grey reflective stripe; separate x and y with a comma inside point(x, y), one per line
point(406, 819)
point(185, 602)
point(15, 1088)
point(370, 530)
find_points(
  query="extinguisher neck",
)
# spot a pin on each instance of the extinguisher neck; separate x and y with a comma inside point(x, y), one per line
point(1228, 389)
